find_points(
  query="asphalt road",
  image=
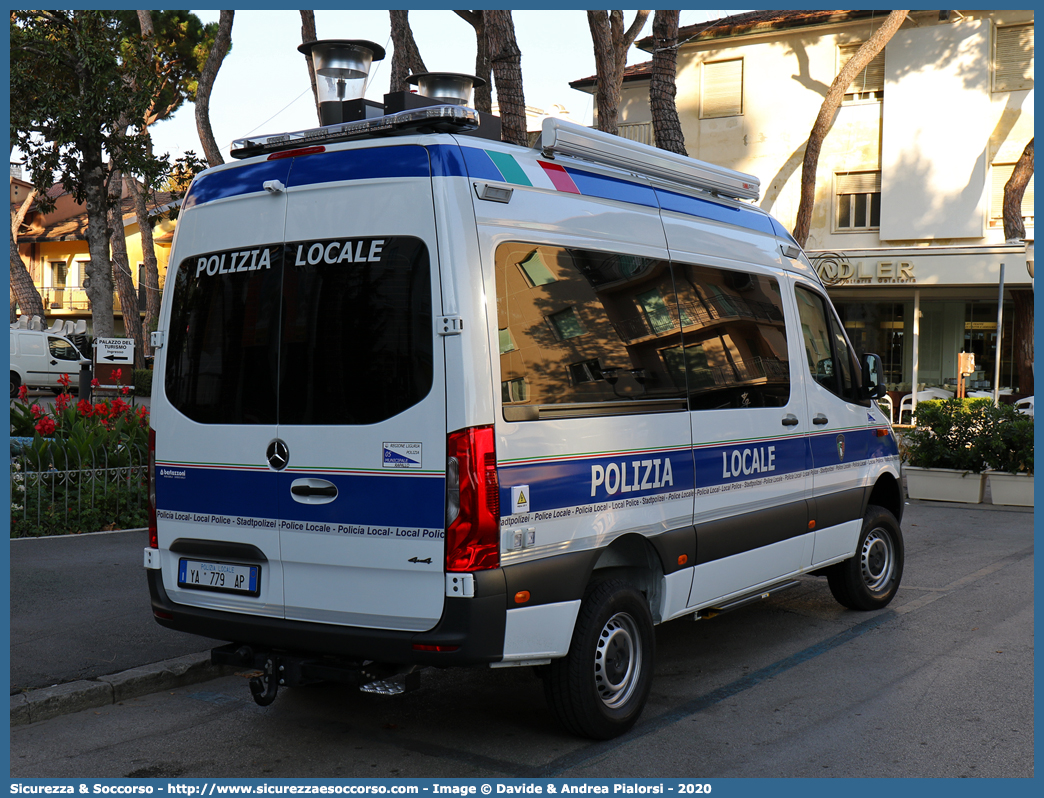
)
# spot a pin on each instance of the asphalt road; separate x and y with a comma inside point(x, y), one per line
point(80, 609)
point(939, 684)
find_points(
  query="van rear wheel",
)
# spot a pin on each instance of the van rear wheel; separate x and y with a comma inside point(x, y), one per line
point(870, 579)
point(16, 383)
point(600, 688)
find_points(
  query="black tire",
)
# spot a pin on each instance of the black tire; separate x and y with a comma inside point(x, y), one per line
point(600, 688)
point(16, 383)
point(869, 580)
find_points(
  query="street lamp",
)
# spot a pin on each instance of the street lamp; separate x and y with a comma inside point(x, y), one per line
point(341, 67)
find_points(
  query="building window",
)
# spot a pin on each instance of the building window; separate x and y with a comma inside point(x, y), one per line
point(858, 200)
point(514, 391)
point(566, 324)
point(59, 277)
point(507, 342)
point(1013, 58)
point(587, 371)
point(1000, 174)
point(722, 93)
point(535, 270)
point(869, 83)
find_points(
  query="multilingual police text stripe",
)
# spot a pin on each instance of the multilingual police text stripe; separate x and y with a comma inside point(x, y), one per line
point(408, 501)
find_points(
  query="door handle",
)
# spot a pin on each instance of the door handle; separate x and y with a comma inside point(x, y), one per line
point(820, 419)
point(790, 420)
point(308, 490)
point(313, 491)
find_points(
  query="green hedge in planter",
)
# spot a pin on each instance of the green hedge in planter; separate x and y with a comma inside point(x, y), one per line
point(948, 434)
point(143, 382)
point(970, 435)
point(1008, 443)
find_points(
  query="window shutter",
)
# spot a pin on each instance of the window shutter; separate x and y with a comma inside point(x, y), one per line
point(1013, 58)
point(872, 76)
point(858, 183)
point(723, 88)
point(1000, 174)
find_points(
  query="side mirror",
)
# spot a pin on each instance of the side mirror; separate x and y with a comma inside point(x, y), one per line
point(873, 377)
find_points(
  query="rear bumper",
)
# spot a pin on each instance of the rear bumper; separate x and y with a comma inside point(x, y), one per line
point(474, 625)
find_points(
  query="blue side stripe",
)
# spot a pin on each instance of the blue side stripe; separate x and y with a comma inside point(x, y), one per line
point(409, 160)
point(480, 166)
point(612, 188)
point(693, 206)
point(447, 160)
point(246, 179)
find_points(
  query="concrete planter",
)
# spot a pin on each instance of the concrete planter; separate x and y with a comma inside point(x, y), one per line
point(1013, 489)
point(944, 484)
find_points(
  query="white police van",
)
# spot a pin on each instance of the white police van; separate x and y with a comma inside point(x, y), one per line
point(427, 399)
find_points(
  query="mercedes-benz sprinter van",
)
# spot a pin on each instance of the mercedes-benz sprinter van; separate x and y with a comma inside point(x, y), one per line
point(425, 399)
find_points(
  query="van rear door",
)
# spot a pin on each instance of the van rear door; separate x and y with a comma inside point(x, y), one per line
point(216, 413)
point(362, 409)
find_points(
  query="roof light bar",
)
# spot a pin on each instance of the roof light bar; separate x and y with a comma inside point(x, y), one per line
point(437, 118)
point(568, 138)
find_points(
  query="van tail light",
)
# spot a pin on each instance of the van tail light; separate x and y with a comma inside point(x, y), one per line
point(151, 477)
point(472, 501)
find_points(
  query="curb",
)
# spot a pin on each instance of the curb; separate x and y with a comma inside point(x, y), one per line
point(44, 703)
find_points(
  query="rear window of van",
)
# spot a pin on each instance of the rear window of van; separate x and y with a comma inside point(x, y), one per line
point(336, 331)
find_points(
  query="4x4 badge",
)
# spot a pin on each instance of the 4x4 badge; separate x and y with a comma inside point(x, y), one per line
point(278, 455)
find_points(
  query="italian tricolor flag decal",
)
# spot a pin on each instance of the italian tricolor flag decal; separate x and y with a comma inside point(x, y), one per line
point(559, 177)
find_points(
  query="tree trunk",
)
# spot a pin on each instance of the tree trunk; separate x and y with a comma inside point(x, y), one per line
point(206, 85)
point(828, 111)
point(121, 270)
point(145, 20)
point(406, 57)
point(98, 284)
point(662, 87)
point(483, 70)
point(22, 288)
point(1022, 338)
point(150, 278)
point(1015, 230)
point(1014, 189)
point(308, 34)
point(506, 61)
point(611, 43)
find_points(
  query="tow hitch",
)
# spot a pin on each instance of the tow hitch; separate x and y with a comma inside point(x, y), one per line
point(284, 669)
point(265, 686)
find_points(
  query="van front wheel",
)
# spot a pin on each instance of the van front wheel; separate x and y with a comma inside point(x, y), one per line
point(16, 383)
point(869, 580)
point(600, 688)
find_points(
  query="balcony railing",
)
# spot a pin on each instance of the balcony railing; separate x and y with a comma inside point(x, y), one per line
point(718, 308)
point(74, 299)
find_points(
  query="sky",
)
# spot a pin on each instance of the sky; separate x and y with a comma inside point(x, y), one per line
point(263, 85)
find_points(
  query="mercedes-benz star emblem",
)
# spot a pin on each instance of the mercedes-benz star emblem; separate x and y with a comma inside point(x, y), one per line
point(278, 455)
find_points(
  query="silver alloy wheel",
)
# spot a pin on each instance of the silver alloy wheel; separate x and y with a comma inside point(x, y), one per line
point(877, 559)
point(618, 660)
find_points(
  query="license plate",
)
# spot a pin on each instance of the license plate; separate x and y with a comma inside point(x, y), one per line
point(222, 577)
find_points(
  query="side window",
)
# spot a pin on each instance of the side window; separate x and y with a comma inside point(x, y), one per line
point(62, 349)
point(734, 348)
point(583, 332)
point(831, 361)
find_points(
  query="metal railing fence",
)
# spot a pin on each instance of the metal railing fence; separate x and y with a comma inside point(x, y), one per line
point(62, 491)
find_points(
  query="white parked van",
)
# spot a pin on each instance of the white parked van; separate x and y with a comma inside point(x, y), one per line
point(426, 399)
point(39, 358)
